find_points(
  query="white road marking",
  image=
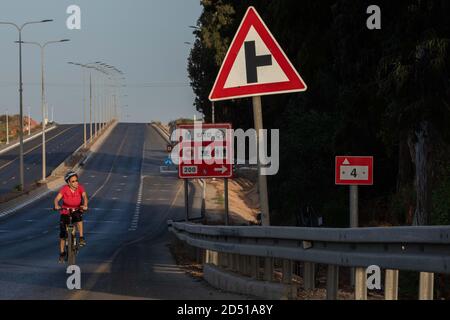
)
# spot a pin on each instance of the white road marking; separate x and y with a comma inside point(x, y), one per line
point(135, 221)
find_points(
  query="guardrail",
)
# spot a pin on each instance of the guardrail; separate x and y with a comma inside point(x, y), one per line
point(422, 249)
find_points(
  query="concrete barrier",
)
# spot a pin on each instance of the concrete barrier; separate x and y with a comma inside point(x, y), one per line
point(232, 282)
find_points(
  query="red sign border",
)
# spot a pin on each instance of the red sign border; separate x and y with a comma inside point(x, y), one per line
point(353, 182)
point(295, 83)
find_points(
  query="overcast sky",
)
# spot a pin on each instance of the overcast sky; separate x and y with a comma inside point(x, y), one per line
point(143, 38)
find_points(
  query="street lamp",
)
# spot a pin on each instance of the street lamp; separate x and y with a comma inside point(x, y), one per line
point(19, 29)
point(42, 47)
point(92, 129)
point(84, 100)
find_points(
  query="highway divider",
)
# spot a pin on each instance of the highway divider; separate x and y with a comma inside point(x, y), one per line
point(55, 181)
point(163, 132)
point(6, 148)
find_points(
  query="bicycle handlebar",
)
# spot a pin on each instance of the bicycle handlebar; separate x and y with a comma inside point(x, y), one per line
point(71, 210)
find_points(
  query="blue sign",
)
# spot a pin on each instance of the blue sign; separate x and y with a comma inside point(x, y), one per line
point(168, 162)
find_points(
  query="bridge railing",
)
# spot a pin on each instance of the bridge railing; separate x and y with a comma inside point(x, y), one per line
point(242, 249)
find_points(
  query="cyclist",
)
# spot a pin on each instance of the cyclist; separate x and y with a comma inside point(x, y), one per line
point(74, 196)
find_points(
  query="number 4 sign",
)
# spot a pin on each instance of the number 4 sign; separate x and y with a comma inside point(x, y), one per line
point(354, 170)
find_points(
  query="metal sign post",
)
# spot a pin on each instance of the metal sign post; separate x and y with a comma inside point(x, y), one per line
point(262, 179)
point(227, 218)
point(354, 212)
point(186, 198)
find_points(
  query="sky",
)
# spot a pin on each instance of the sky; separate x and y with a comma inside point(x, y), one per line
point(143, 38)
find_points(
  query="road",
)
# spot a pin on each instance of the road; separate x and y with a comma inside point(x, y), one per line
point(61, 143)
point(126, 256)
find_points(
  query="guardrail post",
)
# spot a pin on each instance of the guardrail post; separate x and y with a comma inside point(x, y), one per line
point(214, 258)
point(268, 269)
point(229, 261)
point(391, 285)
point(287, 271)
point(248, 266)
point(224, 259)
point(426, 286)
point(308, 276)
point(237, 258)
point(332, 282)
point(360, 284)
point(243, 263)
point(234, 265)
point(199, 255)
point(254, 263)
point(205, 256)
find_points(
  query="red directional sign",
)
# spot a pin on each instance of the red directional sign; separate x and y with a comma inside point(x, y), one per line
point(255, 64)
point(206, 151)
point(354, 170)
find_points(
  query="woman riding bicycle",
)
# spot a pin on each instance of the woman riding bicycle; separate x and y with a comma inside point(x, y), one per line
point(74, 197)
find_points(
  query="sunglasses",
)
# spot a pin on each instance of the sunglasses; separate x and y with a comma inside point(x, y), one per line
point(73, 181)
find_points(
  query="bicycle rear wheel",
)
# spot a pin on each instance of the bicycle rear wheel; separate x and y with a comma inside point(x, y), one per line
point(70, 247)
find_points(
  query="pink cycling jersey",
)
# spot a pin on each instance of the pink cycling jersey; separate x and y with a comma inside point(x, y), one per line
point(71, 198)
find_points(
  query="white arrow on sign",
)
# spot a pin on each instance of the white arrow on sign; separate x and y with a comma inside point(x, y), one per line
point(221, 170)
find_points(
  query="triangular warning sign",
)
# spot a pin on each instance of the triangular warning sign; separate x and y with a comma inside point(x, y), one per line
point(255, 64)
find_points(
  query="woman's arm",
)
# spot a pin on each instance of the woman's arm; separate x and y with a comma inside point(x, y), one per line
point(85, 201)
point(56, 201)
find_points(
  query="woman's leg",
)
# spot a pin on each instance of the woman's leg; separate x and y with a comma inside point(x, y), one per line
point(80, 229)
point(62, 244)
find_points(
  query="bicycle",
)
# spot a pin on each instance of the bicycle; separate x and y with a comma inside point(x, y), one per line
point(71, 244)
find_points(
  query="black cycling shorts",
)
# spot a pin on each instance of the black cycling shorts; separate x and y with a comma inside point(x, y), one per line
point(64, 221)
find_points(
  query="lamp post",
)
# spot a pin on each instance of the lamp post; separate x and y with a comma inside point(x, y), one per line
point(19, 29)
point(44, 117)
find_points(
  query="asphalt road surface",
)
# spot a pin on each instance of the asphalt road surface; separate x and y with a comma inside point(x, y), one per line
point(61, 143)
point(126, 256)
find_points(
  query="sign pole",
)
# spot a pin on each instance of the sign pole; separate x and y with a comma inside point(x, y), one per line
point(262, 180)
point(354, 206)
point(353, 221)
point(227, 221)
point(186, 198)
